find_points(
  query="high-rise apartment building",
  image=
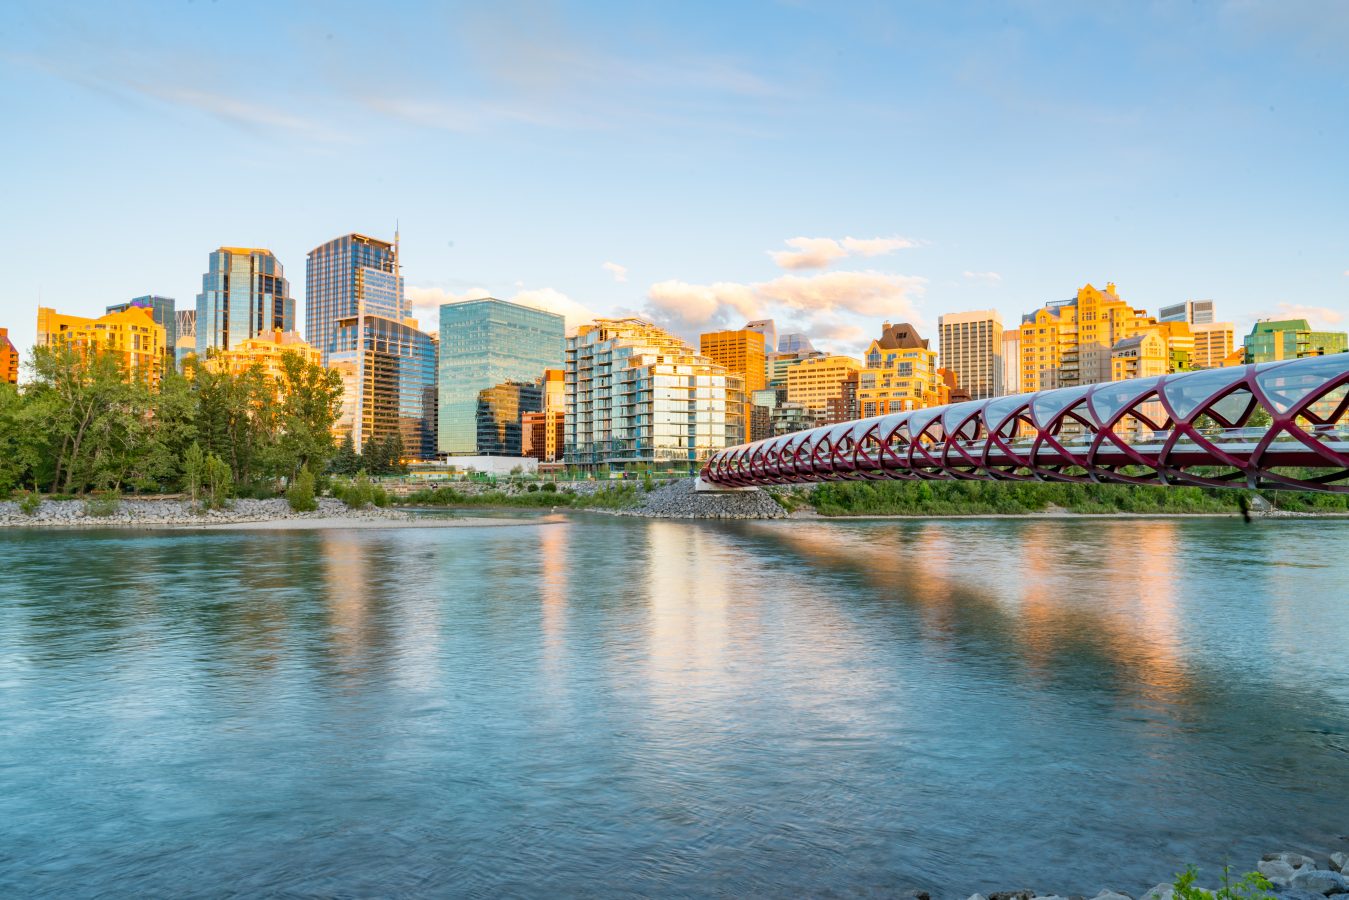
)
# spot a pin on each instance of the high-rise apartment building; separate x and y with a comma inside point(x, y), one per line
point(971, 347)
point(359, 320)
point(900, 374)
point(9, 359)
point(264, 351)
point(1195, 312)
point(485, 343)
point(244, 293)
point(162, 310)
point(132, 334)
point(1272, 340)
point(815, 382)
point(1011, 361)
point(1070, 342)
point(638, 395)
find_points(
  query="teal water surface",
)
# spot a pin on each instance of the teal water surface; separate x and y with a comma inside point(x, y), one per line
point(613, 707)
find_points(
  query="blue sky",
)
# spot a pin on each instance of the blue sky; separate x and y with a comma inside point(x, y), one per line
point(920, 158)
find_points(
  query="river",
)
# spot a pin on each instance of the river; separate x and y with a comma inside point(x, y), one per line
point(608, 706)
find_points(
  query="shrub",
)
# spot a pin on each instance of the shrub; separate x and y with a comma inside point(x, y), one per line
point(301, 493)
point(103, 504)
point(217, 482)
point(1252, 886)
point(531, 487)
point(357, 494)
point(379, 496)
point(30, 502)
point(550, 487)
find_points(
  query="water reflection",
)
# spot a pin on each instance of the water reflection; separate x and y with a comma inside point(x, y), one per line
point(613, 707)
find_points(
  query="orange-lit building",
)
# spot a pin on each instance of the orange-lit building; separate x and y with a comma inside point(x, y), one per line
point(265, 350)
point(543, 434)
point(815, 382)
point(9, 359)
point(132, 334)
point(741, 352)
point(901, 374)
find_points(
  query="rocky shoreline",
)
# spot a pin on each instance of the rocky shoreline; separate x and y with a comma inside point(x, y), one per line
point(1293, 876)
point(147, 513)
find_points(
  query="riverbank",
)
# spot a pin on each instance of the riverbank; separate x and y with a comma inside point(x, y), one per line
point(1288, 874)
point(241, 515)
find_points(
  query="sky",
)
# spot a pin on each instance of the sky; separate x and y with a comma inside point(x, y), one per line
point(831, 165)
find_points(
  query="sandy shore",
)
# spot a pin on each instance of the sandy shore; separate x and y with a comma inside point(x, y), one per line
point(316, 524)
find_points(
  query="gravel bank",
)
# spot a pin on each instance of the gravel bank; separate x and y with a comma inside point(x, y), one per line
point(679, 500)
point(136, 513)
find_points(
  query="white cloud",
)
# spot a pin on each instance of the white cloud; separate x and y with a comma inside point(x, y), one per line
point(877, 246)
point(816, 253)
point(1346, 273)
point(985, 277)
point(620, 273)
point(809, 253)
point(1316, 315)
point(871, 294)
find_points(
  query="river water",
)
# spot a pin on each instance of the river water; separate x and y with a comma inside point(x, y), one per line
point(610, 707)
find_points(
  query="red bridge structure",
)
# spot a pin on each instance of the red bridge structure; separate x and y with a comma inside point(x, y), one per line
point(1279, 425)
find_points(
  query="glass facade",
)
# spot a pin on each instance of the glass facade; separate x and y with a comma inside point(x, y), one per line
point(637, 395)
point(348, 276)
point(388, 373)
point(244, 294)
point(501, 409)
point(485, 343)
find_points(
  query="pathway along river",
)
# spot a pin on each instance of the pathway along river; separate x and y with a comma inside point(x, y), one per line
point(616, 706)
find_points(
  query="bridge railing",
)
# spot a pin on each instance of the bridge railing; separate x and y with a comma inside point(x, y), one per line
point(1275, 425)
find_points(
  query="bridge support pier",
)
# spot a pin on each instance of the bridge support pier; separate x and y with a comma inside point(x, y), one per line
point(707, 487)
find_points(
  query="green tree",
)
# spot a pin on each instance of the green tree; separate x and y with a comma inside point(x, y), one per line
point(346, 461)
point(217, 483)
point(194, 470)
point(300, 496)
point(18, 443)
point(310, 401)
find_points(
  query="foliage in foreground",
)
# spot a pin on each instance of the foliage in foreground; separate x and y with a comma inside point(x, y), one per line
point(360, 493)
point(929, 498)
point(619, 496)
point(1251, 886)
point(300, 495)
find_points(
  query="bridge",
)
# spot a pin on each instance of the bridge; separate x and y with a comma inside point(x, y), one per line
point(1279, 425)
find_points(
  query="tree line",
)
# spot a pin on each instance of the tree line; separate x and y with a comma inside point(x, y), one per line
point(82, 422)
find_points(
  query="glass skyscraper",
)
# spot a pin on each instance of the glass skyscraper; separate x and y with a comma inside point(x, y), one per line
point(485, 343)
point(359, 319)
point(161, 310)
point(244, 294)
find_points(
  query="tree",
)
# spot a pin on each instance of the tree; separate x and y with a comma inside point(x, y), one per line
point(301, 493)
point(310, 401)
point(346, 461)
point(216, 481)
point(18, 443)
point(194, 470)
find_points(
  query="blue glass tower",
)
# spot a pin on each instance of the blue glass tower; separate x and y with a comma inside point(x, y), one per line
point(161, 309)
point(359, 319)
point(483, 344)
point(244, 294)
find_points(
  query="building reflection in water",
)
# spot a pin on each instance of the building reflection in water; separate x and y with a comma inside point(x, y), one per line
point(553, 563)
point(348, 595)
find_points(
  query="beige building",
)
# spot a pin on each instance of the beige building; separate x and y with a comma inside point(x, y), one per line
point(971, 347)
point(1011, 361)
point(1213, 344)
point(813, 383)
point(266, 350)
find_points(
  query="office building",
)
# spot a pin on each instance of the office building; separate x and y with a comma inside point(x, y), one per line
point(162, 311)
point(9, 359)
point(844, 408)
point(132, 334)
point(185, 326)
point(638, 395)
point(359, 320)
point(244, 293)
point(1011, 361)
point(483, 344)
point(1213, 344)
point(500, 416)
point(1194, 312)
point(900, 374)
point(971, 347)
point(813, 383)
point(1272, 340)
point(741, 352)
point(769, 329)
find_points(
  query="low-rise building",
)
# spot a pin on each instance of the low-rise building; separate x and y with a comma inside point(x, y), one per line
point(132, 334)
point(1272, 340)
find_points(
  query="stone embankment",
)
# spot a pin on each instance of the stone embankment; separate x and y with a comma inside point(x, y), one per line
point(679, 500)
point(149, 513)
point(1294, 876)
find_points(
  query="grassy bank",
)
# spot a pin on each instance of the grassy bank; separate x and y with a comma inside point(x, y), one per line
point(621, 496)
point(949, 498)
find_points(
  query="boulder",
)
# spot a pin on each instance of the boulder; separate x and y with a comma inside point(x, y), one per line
point(1108, 894)
point(1163, 891)
point(1321, 881)
point(1277, 871)
point(1025, 894)
point(1296, 860)
point(1339, 861)
point(976, 897)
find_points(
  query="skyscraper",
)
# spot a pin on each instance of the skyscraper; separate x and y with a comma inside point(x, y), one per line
point(185, 325)
point(485, 343)
point(244, 293)
point(971, 347)
point(359, 320)
point(1196, 312)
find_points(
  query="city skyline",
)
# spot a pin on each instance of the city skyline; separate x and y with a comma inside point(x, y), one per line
point(660, 163)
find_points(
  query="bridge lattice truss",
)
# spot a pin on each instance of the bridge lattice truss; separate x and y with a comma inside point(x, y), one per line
point(1275, 425)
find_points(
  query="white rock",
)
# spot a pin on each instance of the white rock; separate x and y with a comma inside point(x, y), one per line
point(1276, 870)
point(1339, 862)
point(1163, 891)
